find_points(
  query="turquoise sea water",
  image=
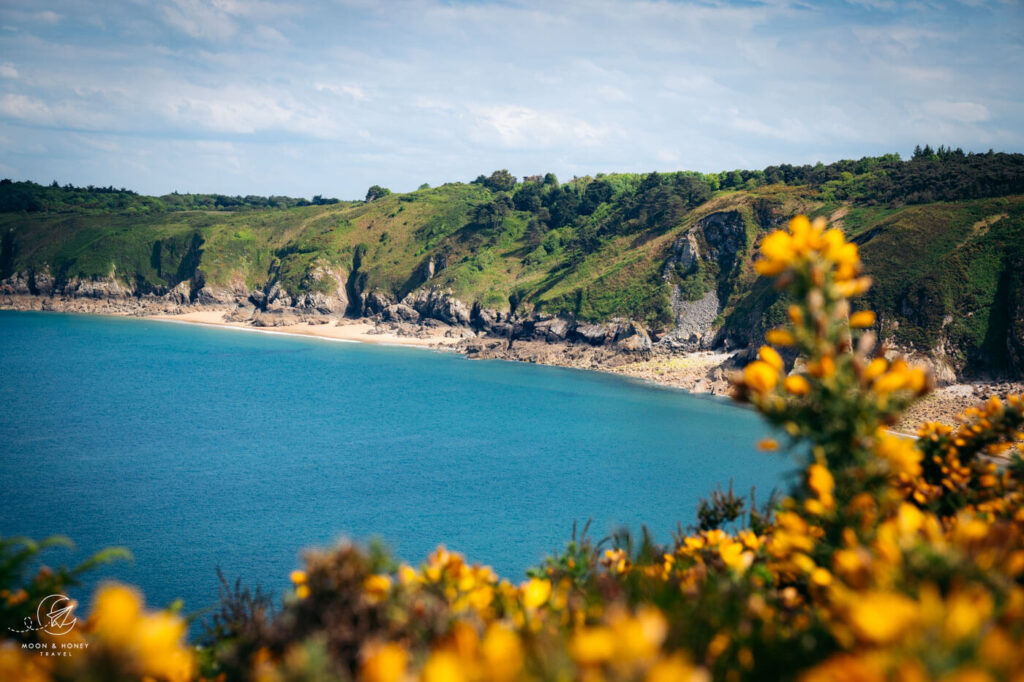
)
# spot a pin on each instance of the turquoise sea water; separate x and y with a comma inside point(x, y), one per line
point(196, 447)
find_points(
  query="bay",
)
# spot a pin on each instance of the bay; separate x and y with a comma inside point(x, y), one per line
point(198, 447)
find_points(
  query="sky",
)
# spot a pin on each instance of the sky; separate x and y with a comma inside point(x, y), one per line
point(329, 97)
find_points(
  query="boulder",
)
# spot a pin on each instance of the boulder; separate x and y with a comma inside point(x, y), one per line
point(438, 305)
point(400, 312)
point(375, 302)
point(16, 284)
point(594, 334)
point(41, 282)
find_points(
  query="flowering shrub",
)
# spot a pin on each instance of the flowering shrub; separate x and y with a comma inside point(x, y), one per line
point(892, 558)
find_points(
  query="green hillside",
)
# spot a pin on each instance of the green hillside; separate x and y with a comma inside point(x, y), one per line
point(942, 234)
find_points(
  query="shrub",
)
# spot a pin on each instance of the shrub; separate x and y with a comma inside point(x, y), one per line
point(890, 559)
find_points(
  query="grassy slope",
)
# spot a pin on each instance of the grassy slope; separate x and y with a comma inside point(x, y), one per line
point(943, 270)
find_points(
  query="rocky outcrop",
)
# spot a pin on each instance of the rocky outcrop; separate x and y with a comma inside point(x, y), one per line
point(726, 237)
point(108, 288)
point(16, 285)
point(694, 320)
point(400, 312)
point(684, 256)
point(440, 305)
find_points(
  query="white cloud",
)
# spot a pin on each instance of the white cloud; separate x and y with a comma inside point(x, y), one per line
point(959, 112)
point(269, 37)
point(354, 91)
point(431, 90)
point(199, 19)
point(521, 127)
point(28, 109)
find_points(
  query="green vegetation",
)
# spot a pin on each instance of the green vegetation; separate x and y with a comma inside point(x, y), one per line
point(941, 233)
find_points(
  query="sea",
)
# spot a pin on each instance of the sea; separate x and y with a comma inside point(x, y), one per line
point(200, 448)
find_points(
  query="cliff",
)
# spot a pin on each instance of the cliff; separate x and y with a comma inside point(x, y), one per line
point(657, 262)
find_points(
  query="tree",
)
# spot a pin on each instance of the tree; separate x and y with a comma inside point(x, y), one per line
point(500, 181)
point(376, 192)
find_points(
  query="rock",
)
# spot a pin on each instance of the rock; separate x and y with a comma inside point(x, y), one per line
point(685, 252)
point(375, 302)
point(726, 235)
point(329, 295)
point(400, 312)
point(180, 294)
point(258, 299)
point(277, 297)
point(41, 282)
point(99, 289)
point(482, 318)
point(594, 334)
point(211, 296)
point(439, 305)
point(552, 330)
point(275, 319)
point(693, 322)
point(632, 338)
point(16, 285)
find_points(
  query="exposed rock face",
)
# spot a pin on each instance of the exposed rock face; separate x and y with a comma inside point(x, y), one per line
point(1015, 321)
point(693, 322)
point(685, 253)
point(102, 289)
point(400, 312)
point(726, 235)
point(16, 285)
point(631, 337)
point(41, 283)
point(438, 305)
point(553, 330)
point(594, 334)
point(375, 302)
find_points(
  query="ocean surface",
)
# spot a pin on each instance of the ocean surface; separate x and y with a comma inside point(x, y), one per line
point(198, 447)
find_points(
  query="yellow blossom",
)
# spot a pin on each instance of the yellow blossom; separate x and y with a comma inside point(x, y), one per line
point(384, 663)
point(733, 555)
point(819, 479)
point(502, 653)
point(592, 645)
point(536, 592)
point(116, 613)
point(377, 587)
point(760, 376)
point(780, 337)
point(882, 617)
point(874, 369)
point(772, 357)
point(672, 669)
point(443, 666)
point(903, 457)
point(797, 385)
point(862, 319)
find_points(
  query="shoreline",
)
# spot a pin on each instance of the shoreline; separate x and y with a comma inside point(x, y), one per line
point(699, 373)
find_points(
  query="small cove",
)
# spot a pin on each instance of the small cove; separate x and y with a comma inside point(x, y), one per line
point(198, 447)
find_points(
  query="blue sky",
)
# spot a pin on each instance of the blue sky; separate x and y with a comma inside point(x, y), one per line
point(329, 97)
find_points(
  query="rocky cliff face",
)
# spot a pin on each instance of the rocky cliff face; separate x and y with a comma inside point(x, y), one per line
point(707, 253)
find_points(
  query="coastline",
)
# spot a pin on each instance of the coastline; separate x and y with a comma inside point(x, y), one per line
point(697, 372)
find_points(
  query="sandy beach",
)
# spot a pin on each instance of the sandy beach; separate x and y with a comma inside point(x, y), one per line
point(702, 372)
point(344, 330)
point(699, 372)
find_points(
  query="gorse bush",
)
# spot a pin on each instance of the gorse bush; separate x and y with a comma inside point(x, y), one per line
point(891, 558)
